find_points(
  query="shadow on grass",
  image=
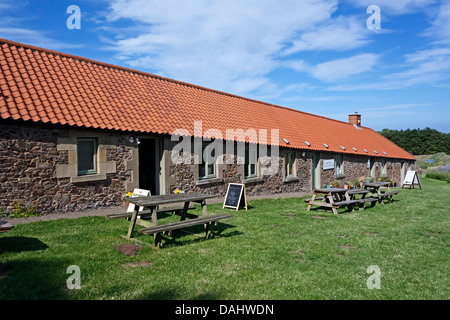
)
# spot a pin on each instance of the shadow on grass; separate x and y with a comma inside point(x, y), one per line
point(33, 279)
point(200, 235)
point(28, 278)
point(20, 244)
point(175, 294)
point(179, 237)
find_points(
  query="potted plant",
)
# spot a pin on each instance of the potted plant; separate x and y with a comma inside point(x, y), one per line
point(335, 184)
point(361, 181)
point(368, 180)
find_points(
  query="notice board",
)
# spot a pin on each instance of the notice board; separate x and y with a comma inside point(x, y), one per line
point(328, 164)
point(235, 197)
point(411, 180)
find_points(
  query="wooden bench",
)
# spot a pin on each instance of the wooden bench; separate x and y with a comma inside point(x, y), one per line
point(362, 202)
point(177, 210)
point(390, 194)
point(206, 221)
point(350, 204)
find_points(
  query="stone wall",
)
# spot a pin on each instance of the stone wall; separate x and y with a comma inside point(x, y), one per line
point(38, 164)
point(185, 176)
point(355, 167)
point(327, 177)
point(29, 157)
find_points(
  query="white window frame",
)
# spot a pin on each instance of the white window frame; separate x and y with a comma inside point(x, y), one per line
point(287, 174)
point(339, 165)
point(251, 159)
point(207, 165)
point(383, 167)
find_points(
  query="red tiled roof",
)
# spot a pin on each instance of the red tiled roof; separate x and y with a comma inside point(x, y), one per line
point(45, 86)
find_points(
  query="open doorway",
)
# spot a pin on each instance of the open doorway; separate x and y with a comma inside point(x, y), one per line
point(149, 166)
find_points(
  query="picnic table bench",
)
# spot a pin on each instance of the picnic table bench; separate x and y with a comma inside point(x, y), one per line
point(206, 221)
point(336, 198)
point(377, 191)
point(152, 207)
point(5, 226)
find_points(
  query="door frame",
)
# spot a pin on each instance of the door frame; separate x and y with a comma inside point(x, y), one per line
point(157, 163)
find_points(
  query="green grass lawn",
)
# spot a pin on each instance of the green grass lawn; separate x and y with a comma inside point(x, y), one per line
point(276, 250)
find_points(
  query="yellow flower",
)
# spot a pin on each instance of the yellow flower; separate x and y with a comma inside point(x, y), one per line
point(177, 191)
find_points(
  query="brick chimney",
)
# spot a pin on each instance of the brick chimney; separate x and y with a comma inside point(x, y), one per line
point(355, 119)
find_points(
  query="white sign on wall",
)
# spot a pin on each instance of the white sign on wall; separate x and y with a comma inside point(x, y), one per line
point(328, 164)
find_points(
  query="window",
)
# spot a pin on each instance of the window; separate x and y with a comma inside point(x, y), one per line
point(383, 167)
point(87, 156)
point(339, 166)
point(251, 158)
point(208, 167)
point(289, 159)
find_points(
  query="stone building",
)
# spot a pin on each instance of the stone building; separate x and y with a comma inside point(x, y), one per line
point(77, 134)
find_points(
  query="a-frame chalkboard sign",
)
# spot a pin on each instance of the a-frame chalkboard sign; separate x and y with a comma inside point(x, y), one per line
point(236, 197)
point(411, 180)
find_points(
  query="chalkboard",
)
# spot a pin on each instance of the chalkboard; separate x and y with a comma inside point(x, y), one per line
point(411, 179)
point(235, 197)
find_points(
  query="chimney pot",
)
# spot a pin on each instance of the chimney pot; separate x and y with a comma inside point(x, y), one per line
point(355, 119)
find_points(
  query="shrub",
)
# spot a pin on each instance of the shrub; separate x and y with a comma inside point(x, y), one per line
point(437, 175)
point(23, 211)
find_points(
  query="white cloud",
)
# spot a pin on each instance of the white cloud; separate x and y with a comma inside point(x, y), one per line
point(35, 38)
point(440, 27)
point(394, 7)
point(343, 68)
point(338, 34)
point(214, 43)
point(428, 67)
point(338, 69)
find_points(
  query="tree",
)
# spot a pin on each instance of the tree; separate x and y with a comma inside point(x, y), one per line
point(419, 141)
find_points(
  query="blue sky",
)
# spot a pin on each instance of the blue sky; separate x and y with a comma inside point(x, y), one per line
point(317, 56)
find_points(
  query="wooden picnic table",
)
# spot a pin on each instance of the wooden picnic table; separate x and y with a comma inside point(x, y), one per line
point(335, 198)
point(152, 205)
point(377, 189)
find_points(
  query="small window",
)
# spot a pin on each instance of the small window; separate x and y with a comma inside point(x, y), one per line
point(87, 156)
point(289, 159)
point(339, 166)
point(383, 167)
point(251, 158)
point(208, 167)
